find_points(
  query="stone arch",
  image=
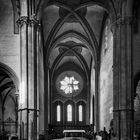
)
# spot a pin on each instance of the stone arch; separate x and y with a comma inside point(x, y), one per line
point(72, 104)
point(137, 104)
point(9, 87)
point(136, 80)
point(11, 74)
point(55, 104)
point(83, 104)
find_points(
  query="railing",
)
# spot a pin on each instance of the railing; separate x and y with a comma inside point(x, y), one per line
point(7, 128)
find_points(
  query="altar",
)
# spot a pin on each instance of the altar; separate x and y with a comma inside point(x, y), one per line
point(73, 131)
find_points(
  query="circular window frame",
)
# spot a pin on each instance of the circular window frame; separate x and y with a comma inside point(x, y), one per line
point(62, 75)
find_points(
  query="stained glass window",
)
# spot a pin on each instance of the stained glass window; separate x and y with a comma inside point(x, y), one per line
point(69, 113)
point(80, 109)
point(58, 113)
point(69, 85)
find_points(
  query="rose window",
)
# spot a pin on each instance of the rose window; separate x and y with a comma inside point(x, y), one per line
point(69, 85)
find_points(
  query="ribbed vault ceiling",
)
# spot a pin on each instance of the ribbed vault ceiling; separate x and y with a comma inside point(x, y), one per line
point(72, 31)
point(7, 88)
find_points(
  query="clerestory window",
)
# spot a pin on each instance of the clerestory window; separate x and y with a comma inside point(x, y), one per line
point(80, 111)
point(58, 113)
point(69, 113)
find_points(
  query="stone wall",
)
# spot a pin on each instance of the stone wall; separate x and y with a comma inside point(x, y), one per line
point(106, 79)
point(83, 95)
point(9, 55)
point(137, 110)
point(136, 71)
point(136, 46)
point(9, 42)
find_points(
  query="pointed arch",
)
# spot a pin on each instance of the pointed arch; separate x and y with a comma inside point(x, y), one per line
point(84, 24)
point(80, 58)
point(66, 35)
point(7, 70)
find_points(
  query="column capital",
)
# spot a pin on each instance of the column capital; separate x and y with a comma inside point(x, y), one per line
point(22, 20)
point(25, 20)
point(33, 21)
point(127, 20)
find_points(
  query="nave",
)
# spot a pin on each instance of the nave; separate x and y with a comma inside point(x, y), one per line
point(69, 65)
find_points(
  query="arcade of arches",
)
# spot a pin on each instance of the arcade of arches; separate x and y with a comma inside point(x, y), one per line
point(69, 65)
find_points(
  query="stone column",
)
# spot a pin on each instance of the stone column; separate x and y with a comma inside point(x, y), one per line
point(23, 102)
point(32, 78)
point(41, 77)
point(38, 97)
point(47, 102)
point(28, 90)
point(96, 103)
point(122, 76)
point(87, 111)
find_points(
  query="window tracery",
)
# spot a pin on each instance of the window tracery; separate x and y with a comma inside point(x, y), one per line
point(69, 85)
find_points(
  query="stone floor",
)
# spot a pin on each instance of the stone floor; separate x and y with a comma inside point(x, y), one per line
point(71, 138)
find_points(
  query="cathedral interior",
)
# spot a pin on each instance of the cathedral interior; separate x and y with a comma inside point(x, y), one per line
point(69, 68)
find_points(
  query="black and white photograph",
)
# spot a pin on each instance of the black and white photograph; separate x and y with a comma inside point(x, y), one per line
point(69, 69)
